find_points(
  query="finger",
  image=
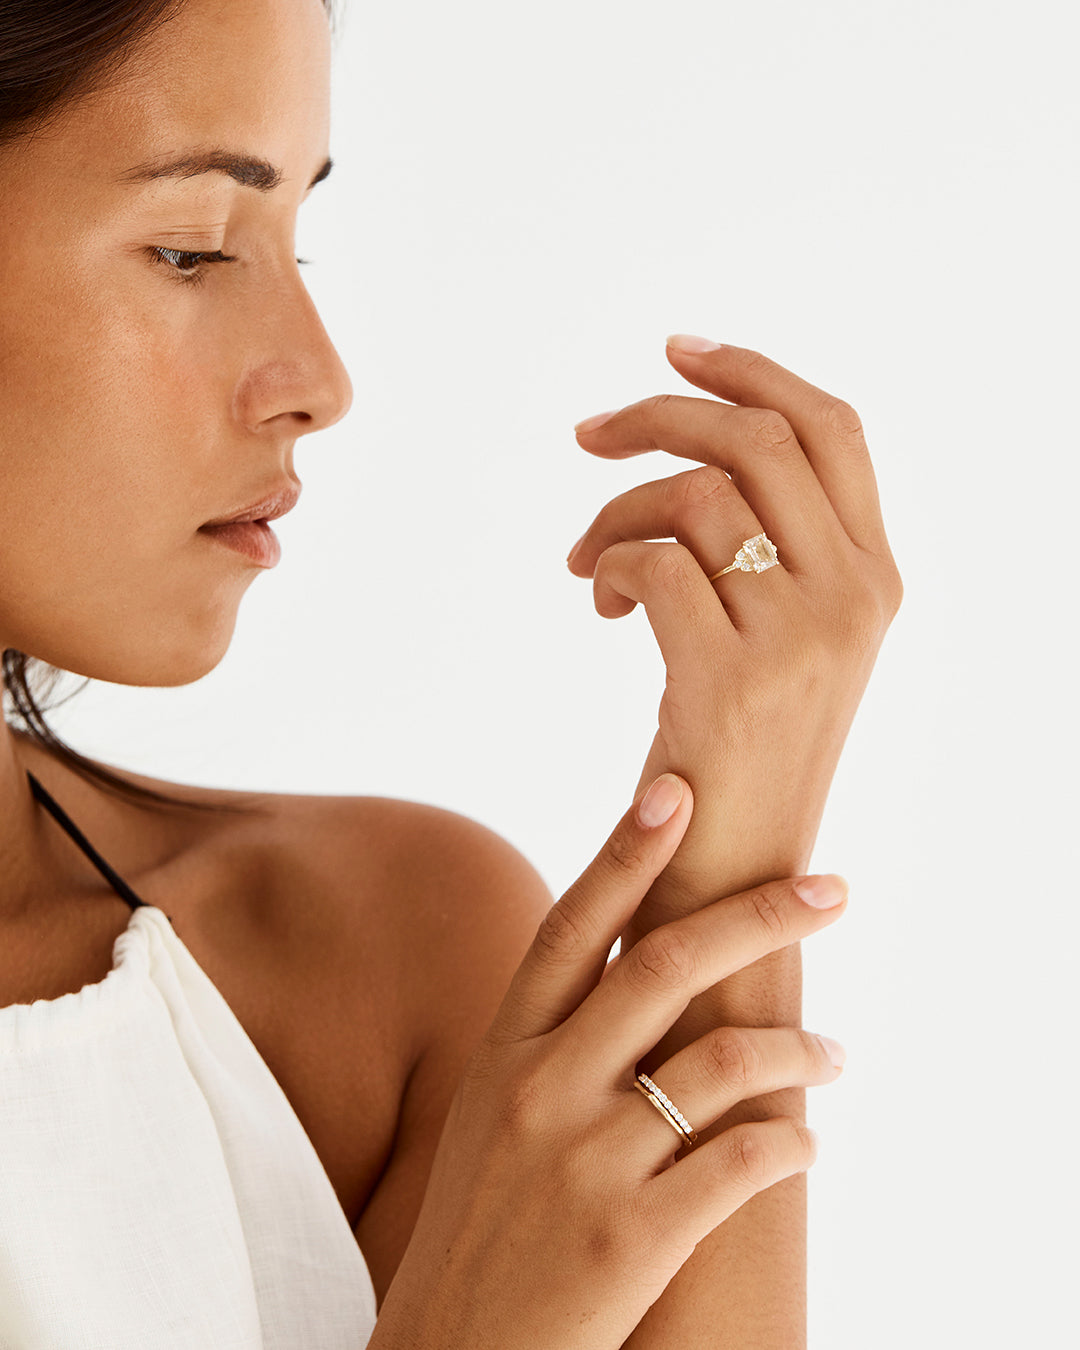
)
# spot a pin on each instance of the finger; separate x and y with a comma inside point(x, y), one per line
point(756, 446)
point(726, 1066)
point(705, 512)
point(567, 955)
point(828, 429)
point(632, 1008)
point(694, 633)
point(714, 1179)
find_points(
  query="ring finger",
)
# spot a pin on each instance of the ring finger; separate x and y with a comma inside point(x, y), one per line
point(725, 1066)
point(755, 445)
point(705, 512)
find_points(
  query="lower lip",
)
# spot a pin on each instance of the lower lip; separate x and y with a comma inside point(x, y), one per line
point(253, 538)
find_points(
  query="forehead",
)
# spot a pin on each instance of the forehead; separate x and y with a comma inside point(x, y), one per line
point(249, 75)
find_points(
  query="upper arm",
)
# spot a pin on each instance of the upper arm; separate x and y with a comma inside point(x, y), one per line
point(474, 905)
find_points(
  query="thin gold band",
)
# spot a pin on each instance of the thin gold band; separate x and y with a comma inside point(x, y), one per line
point(723, 573)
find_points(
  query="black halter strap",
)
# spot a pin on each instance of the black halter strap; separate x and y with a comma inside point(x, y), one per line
point(61, 816)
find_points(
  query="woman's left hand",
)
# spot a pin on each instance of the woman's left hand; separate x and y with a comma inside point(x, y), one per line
point(764, 670)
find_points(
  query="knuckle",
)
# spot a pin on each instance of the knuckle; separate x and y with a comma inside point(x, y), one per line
point(669, 569)
point(761, 1152)
point(769, 913)
point(616, 562)
point(751, 1155)
point(753, 362)
point(860, 608)
point(607, 1241)
point(624, 857)
point(841, 420)
point(521, 1107)
point(703, 486)
point(663, 960)
point(804, 1141)
point(658, 403)
point(560, 936)
point(864, 612)
point(814, 1053)
point(813, 661)
point(894, 591)
point(861, 603)
point(769, 430)
point(734, 1059)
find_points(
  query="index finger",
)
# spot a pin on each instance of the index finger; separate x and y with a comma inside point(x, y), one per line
point(566, 958)
point(828, 429)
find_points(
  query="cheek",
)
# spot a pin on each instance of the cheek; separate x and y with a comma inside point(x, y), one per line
point(108, 426)
point(111, 453)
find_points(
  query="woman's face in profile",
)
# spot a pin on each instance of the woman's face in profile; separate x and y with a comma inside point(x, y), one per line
point(140, 403)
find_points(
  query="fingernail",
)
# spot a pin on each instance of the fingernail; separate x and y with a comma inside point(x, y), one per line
point(686, 342)
point(661, 801)
point(591, 423)
point(822, 892)
point(570, 555)
point(835, 1051)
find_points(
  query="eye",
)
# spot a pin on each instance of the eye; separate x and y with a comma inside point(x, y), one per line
point(189, 268)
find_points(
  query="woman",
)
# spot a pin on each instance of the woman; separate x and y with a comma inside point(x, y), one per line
point(285, 1070)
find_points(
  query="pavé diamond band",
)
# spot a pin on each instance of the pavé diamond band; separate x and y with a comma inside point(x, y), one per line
point(756, 555)
point(667, 1109)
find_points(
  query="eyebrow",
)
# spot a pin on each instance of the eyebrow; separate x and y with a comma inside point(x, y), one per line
point(247, 170)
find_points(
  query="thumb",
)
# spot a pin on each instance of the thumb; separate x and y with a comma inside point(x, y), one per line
point(566, 959)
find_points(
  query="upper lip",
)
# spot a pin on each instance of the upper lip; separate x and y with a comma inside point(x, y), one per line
point(277, 504)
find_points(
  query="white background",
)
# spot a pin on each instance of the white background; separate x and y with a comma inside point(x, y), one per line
point(882, 197)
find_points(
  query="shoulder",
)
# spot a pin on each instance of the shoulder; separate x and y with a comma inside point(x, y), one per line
point(386, 880)
point(430, 906)
point(436, 875)
point(421, 910)
point(435, 911)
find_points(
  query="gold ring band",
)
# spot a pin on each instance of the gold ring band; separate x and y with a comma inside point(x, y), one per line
point(756, 555)
point(667, 1109)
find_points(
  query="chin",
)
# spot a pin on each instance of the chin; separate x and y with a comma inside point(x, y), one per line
point(148, 657)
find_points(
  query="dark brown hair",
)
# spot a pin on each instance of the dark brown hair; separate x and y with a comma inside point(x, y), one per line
point(52, 53)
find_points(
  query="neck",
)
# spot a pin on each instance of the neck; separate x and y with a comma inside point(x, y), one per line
point(27, 845)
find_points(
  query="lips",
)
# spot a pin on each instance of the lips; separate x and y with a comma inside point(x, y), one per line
point(270, 507)
point(254, 539)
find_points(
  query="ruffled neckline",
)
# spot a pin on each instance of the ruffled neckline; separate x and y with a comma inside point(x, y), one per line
point(26, 1026)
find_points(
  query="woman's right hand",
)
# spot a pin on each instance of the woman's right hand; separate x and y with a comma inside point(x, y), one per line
point(560, 1202)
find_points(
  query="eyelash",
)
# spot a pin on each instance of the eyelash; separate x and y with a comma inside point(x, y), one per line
point(192, 274)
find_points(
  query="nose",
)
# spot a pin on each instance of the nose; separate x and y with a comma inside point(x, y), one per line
point(299, 373)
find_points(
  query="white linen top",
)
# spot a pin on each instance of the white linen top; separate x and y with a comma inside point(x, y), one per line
point(157, 1190)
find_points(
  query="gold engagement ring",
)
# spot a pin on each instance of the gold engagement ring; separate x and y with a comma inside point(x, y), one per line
point(756, 555)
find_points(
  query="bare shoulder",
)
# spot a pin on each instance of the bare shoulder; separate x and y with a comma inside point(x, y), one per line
point(434, 879)
point(466, 906)
point(446, 910)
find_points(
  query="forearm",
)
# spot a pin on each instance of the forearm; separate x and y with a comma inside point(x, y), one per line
point(745, 1284)
point(762, 679)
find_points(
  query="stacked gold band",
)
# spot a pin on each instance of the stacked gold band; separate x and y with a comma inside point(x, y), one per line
point(667, 1109)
